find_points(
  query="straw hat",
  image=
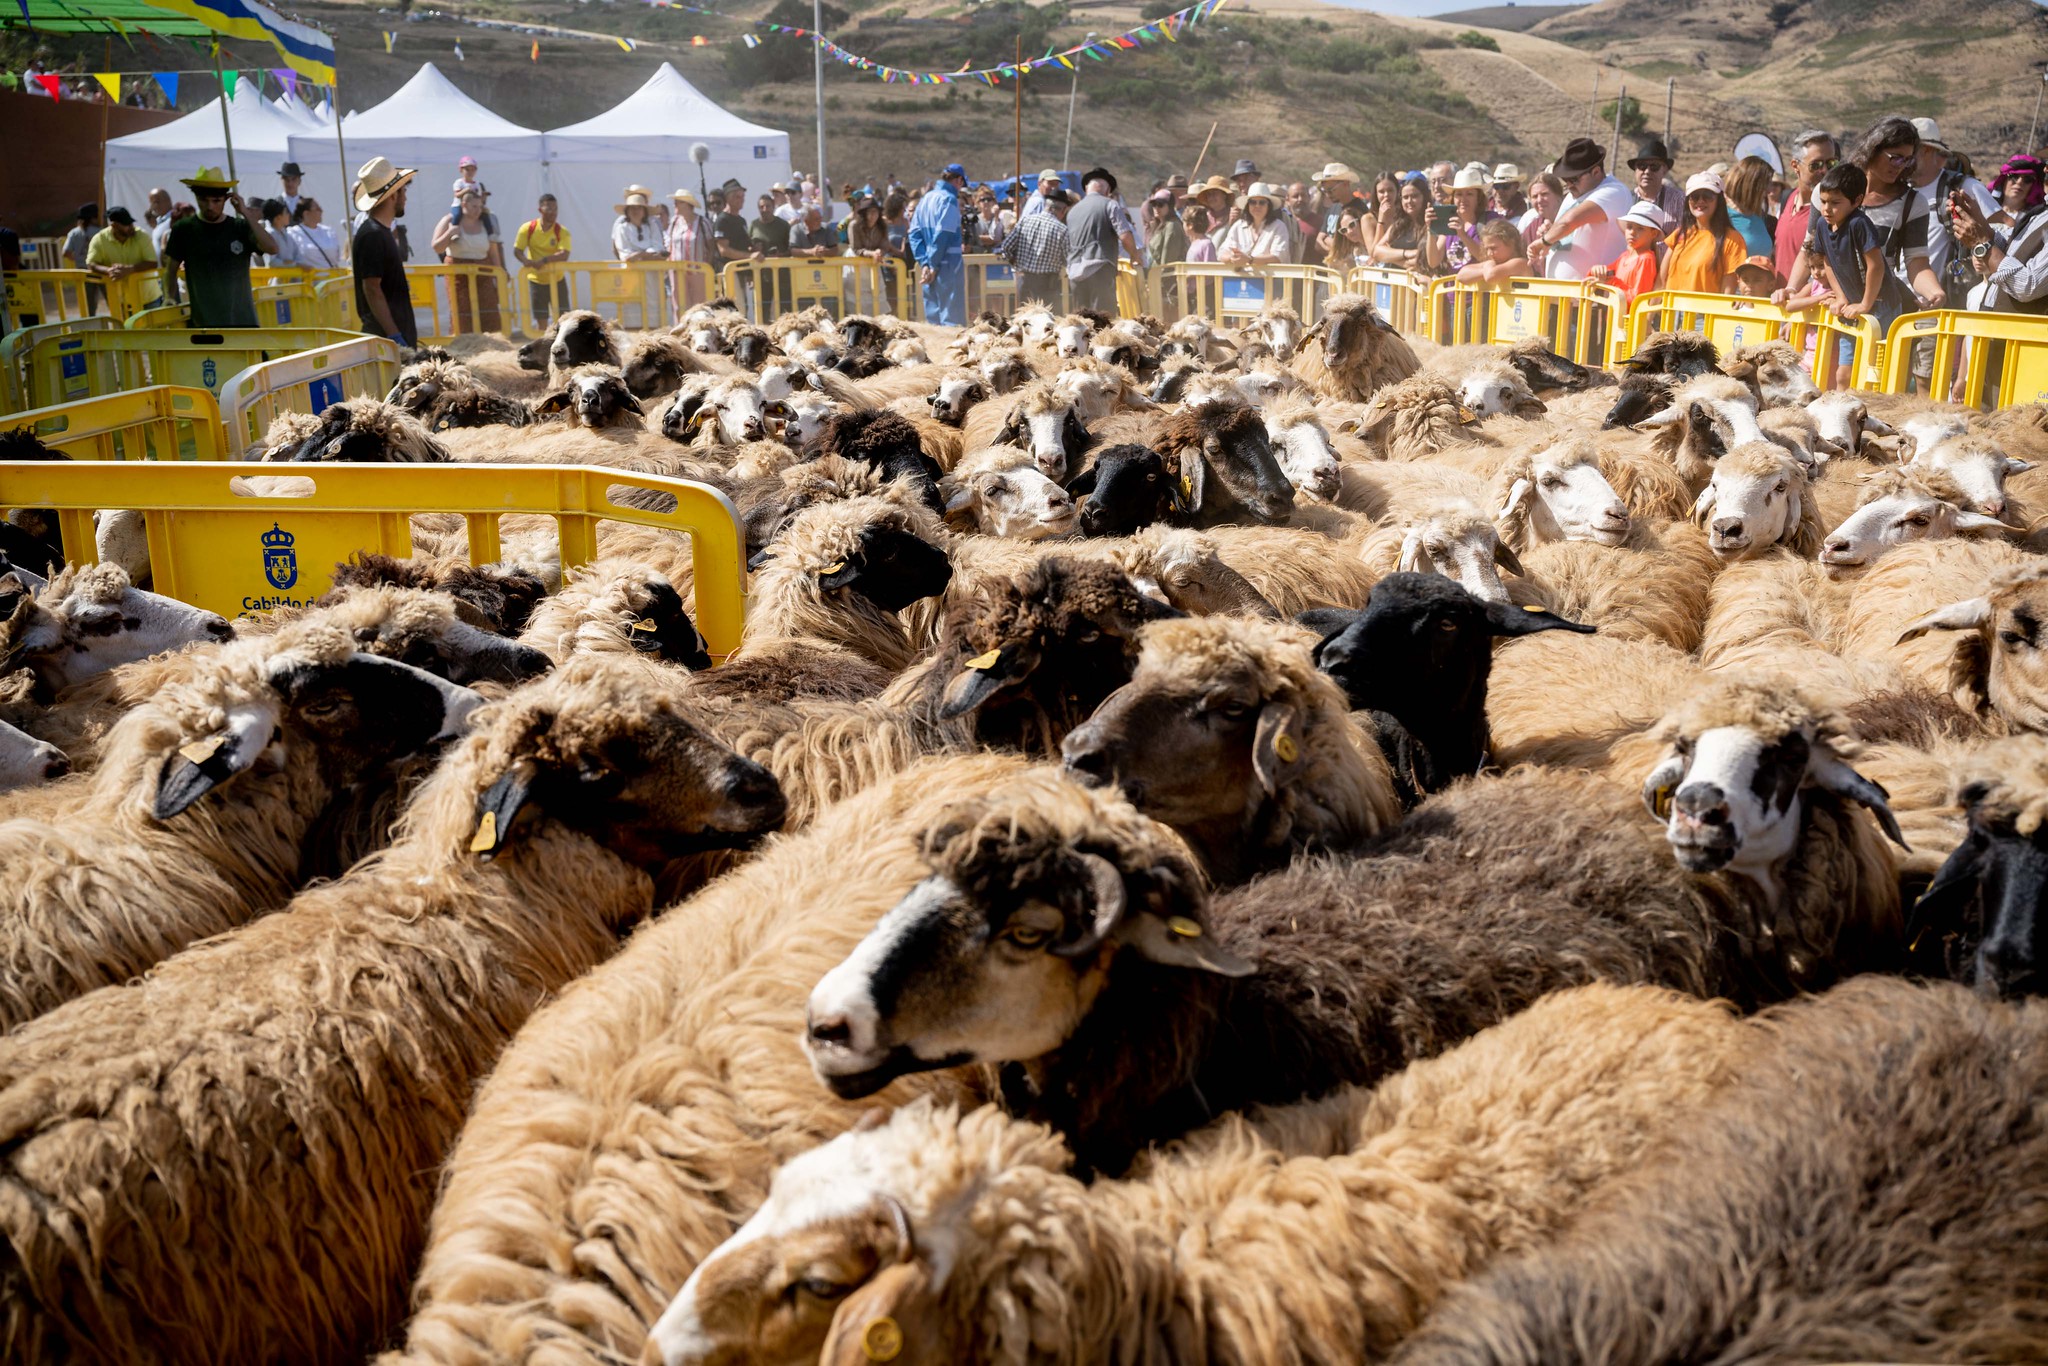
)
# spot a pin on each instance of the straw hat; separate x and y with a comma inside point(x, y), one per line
point(1470, 178)
point(1261, 190)
point(377, 180)
point(679, 197)
point(210, 178)
point(1215, 184)
point(635, 199)
point(1507, 173)
point(1337, 170)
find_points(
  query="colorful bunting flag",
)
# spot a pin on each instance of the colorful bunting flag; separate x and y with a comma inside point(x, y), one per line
point(229, 79)
point(627, 43)
point(536, 49)
point(167, 81)
point(51, 85)
point(290, 79)
point(458, 51)
point(389, 39)
point(110, 81)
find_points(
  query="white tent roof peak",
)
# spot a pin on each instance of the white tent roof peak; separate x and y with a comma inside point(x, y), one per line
point(431, 105)
point(258, 126)
point(666, 101)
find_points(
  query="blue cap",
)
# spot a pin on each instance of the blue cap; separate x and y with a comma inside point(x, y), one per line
point(952, 169)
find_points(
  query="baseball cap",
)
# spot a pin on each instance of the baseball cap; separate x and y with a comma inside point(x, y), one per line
point(1246, 166)
point(1048, 174)
point(1704, 180)
point(465, 161)
point(953, 168)
point(117, 214)
point(1929, 131)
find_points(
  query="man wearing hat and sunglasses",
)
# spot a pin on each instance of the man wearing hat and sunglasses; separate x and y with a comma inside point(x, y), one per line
point(215, 251)
point(936, 243)
point(383, 300)
point(1587, 230)
point(1652, 165)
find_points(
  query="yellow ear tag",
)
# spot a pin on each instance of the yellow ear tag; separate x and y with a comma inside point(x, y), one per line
point(1285, 747)
point(486, 837)
point(882, 1340)
point(1531, 608)
point(834, 567)
point(199, 751)
point(987, 661)
point(1466, 414)
point(1187, 487)
point(1660, 802)
point(647, 623)
point(1184, 927)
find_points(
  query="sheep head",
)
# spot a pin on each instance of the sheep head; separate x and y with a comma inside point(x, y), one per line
point(1017, 502)
point(1738, 757)
point(2000, 664)
point(1988, 900)
point(1897, 506)
point(1559, 494)
point(28, 762)
point(422, 628)
point(1301, 446)
point(90, 619)
point(596, 397)
point(1225, 470)
point(1047, 424)
point(1774, 372)
point(581, 338)
point(1684, 354)
point(607, 745)
point(1978, 467)
point(365, 430)
point(1707, 417)
point(957, 393)
point(1758, 499)
point(1496, 387)
point(1843, 419)
point(1454, 538)
point(997, 956)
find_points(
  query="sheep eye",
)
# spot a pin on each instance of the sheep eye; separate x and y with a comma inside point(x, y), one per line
point(1447, 625)
point(1027, 936)
point(1780, 488)
point(1551, 481)
point(1234, 711)
point(1090, 636)
point(821, 1288)
point(1916, 521)
point(2012, 640)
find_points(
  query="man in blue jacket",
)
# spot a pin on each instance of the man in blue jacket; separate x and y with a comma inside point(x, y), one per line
point(935, 243)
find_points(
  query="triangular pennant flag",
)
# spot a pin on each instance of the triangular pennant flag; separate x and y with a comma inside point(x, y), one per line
point(24, 13)
point(458, 51)
point(750, 40)
point(50, 84)
point(290, 79)
point(167, 81)
point(536, 50)
point(110, 81)
point(699, 40)
point(626, 43)
point(229, 79)
point(389, 39)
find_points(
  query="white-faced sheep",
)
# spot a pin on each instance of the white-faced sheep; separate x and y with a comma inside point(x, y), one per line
point(1874, 1139)
point(1997, 667)
point(149, 1208)
point(1844, 420)
point(1037, 418)
point(1897, 506)
point(1775, 372)
point(1979, 468)
point(1007, 497)
point(201, 812)
point(26, 761)
point(88, 620)
point(594, 397)
point(1757, 498)
point(639, 1118)
point(1228, 733)
point(1706, 418)
point(1324, 1231)
point(1302, 448)
point(1352, 352)
point(1449, 536)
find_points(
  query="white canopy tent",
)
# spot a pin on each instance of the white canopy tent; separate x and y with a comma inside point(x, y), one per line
point(297, 111)
point(169, 152)
point(429, 125)
point(645, 139)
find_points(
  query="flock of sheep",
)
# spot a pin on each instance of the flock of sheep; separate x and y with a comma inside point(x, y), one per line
point(1276, 845)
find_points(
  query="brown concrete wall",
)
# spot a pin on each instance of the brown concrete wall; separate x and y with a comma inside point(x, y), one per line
point(50, 156)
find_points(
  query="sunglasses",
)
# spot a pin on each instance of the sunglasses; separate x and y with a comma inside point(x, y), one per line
point(1824, 163)
point(1901, 156)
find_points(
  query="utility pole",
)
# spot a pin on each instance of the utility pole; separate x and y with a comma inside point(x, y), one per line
point(1670, 84)
point(818, 70)
point(1593, 108)
point(1616, 146)
point(1017, 78)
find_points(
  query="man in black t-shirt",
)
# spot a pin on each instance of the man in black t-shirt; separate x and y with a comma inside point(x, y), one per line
point(383, 300)
point(731, 225)
point(215, 251)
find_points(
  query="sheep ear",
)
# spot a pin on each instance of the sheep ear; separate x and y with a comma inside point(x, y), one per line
point(1837, 777)
point(1181, 942)
point(632, 403)
point(1412, 559)
point(1661, 784)
point(1664, 417)
point(1186, 489)
point(1899, 447)
point(203, 765)
point(895, 1317)
point(1507, 559)
point(2014, 465)
point(961, 498)
point(1967, 615)
point(984, 676)
point(552, 404)
point(500, 806)
point(1277, 752)
point(1967, 522)
point(1013, 429)
point(1702, 505)
point(1530, 407)
point(1506, 619)
point(1518, 494)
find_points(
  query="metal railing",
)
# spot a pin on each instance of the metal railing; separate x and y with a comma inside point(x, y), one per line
point(1730, 321)
point(308, 382)
point(1985, 360)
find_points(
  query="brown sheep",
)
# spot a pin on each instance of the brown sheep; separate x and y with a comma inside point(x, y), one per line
point(1351, 352)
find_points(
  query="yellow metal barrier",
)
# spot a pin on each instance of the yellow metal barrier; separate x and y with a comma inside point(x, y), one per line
point(162, 422)
point(284, 304)
point(635, 294)
point(1730, 321)
point(450, 300)
point(35, 297)
point(334, 304)
point(309, 382)
point(2002, 357)
point(94, 363)
point(17, 346)
point(1231, 296)
point(1131, 290)
point(766, 289)
point(131, 294)
point(1399, 297)
point(1578, 318)
point(233, 552)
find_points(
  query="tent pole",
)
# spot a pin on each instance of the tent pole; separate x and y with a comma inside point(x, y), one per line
point(348, 197)
point(818, 70)
point(226, 134)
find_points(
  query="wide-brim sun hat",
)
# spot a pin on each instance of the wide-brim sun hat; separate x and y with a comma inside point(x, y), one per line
point(1507, 173)
point(1648, 215)
point(1259, 189)
point(1580, 156)
point(1336, 170)
point(635, 199)
point(210, 178)
point(1470, 178)
point(1652, 151)
point(377, 180)
point(1215, 184)
point(681, 197)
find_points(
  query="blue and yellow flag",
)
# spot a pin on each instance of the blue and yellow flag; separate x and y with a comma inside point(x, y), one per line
point(305, 50)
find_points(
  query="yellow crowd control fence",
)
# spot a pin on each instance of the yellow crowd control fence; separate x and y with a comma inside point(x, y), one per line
point(219, 541)
point(840, 284)
point(14, 353)
point(161, 422)
point(36, 297)
point(66, 367)
point(1398, 296)
point(2000, 359)
point(288, 303)
point(308, 382)
point(1231, 296)
point(1578, 318)
point(1730, 321)
point(450, 300)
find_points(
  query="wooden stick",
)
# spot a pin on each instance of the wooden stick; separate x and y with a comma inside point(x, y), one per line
point(1203, 153)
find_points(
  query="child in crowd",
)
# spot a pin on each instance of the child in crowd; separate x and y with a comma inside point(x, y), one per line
point(1842, 241)
point(1757, 278)
point(1500, 242)
point(1635, 272)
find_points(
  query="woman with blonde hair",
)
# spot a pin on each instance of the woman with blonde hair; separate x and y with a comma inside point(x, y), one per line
point(1748, 189)
point(690, 238)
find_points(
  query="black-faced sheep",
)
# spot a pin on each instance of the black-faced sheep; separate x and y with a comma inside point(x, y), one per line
point(1986, 904)
point(1229, 734)
point(845, 571)
point(616, 605)
point(1322, 1232)
point(442, 394)
point(360, 430)
point(1126, 488)
point(1221, 458)
point(1421, 652)
point(493, 597)
point(146, 858)
point(888, 442)
point(1860, 1192)
point(580, 337)
point(149, 1209)
point(1352, 352)
point(656, 364)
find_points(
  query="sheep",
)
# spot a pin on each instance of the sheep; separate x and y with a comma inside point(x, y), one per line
point(1706, 418)
point(1984, 905)
point(492, 597)
point(1098, 388)
point(1641, 394)
point(1127, 346)
point(1490, 387)
point(1995, 668)
point(1420, 652)
point(444, 393)
point(1586, 704)
point(1756, 499)
point(1178, 566)
point(1126, 487)
point(356, 430)
point(1857, 1193)
point(1322, 1232)
point(26, 761)
point(1223, 465)
point(1227, 733)
point(1557, 493)
point(845, 571)
point(1037, 418)
point(1655, 585)
point(1449, 536)
point(767, 502)
point(141, 1125)
point(616, 605)
point(638, 1118)
point(1202, 338)
point(581, 337)
point(1844, 420)
point(1895, 506)
point(1775, 373)
point(948, 391)
point(733, 409)
point(87, 620)
point(1415, 418)
point(1796, 430)
point(1302, 449)
point(1015, 501)
point(655, 365)
point(1351, 352)
point(1686, 355)
point(594, 397)
point(500, 368)
point(1978, 467)
point(890, 443)
point(1296, 570)
point(144, 859)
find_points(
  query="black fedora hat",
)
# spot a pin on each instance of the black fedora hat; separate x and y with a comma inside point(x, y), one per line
point(291, 168)
point(1099, 174)
point(1649, 151)
point(1580, 156)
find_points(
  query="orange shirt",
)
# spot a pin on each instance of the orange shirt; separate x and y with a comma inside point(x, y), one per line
point(1635, 273)
point(1695, 266)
